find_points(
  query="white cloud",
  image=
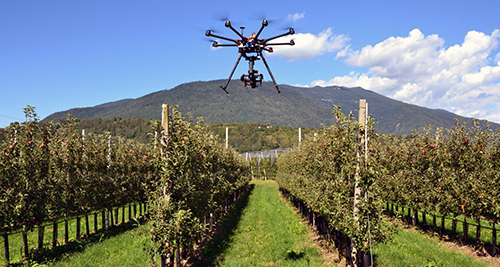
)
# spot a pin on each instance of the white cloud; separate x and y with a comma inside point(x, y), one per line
point(463, 78)
point(308, 45)
point(295, 17)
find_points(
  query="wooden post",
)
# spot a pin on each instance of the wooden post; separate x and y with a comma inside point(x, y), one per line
point(357, 177)
point(165, 130)
point(164, 148)
point(300, 135)
point(227, 137)
point(109, 178)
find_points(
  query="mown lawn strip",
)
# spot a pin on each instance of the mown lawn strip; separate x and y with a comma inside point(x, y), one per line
point(269, 234)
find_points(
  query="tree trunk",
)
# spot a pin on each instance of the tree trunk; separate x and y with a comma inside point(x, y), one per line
point(466, 232)
point(40, 236)
point(123, 214)
point(454, 228)
point(129, 212)
point(494, 240)
point(434, 223)
point(442, 226)
point(25, 244)
point(103, 219)
point(178, 257)
point(6, 247)
point(116, 215)
point(87, 225)
point(66, 231)
point(95, 222)
point(163, 261)
point(478, 232)
point(78, 226)
point(54, 233)
point(415, 217)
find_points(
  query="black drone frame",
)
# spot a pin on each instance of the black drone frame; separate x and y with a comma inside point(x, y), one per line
point(253, 46)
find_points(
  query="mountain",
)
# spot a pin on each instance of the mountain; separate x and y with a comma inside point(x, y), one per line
point(207, 100)
point(391, 116)
point(294, 107)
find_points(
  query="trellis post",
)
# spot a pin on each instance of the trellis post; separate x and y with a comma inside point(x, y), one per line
point(164, 149)
point(357, 176)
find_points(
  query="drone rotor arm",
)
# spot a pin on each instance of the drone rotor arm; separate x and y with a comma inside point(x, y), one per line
point(291, 31)
point(264, 24)
point(222, 45)
point(210, 34)
point(289, 43)
point(228, 24)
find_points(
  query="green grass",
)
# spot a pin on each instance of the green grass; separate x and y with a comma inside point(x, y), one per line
point(125, 249)
point(259, 230)
point(485, 237)
point(410, 248)
point(16, 242)
point(269, 233)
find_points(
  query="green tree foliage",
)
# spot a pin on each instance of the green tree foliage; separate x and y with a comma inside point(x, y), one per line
point(455, 174)
point(197, 175)
point(321, 173)
point(49, 171)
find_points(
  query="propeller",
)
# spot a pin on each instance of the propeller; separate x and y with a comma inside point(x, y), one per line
point(221, 16)
point(261, 15)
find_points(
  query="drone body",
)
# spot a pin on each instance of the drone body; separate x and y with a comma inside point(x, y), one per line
point(251, 49)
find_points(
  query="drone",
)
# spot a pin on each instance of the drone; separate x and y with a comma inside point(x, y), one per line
point(251, 49)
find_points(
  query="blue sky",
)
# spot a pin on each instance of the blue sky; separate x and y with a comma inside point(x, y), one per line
point(57, 55)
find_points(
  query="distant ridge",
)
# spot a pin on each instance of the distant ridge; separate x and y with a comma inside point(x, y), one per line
point(294, 107)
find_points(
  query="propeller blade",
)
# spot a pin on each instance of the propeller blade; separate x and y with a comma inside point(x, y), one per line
point(261, 15)
point(221, 16)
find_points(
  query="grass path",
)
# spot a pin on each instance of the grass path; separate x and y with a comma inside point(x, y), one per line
point(125, 249)
point(269, 233)
point(409, 247)
point(261, 230)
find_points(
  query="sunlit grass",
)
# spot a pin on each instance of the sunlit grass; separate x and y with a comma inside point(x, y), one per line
point(125, 249)
point(411, 248)
point(269, 233)
point(16, 250)
point(485, 235)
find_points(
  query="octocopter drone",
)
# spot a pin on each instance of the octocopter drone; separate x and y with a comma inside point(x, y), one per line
point(251, 49)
